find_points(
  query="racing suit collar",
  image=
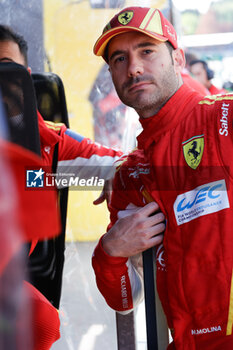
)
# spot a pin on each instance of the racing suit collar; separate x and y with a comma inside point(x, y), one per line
point(47, 136)
point(170, 114)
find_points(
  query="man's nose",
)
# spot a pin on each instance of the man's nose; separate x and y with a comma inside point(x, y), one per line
point(135, 67)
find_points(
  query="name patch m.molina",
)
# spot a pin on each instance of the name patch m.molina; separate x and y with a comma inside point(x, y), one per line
point(193, 150)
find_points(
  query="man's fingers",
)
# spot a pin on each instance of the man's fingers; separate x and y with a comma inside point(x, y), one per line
point(155, 240)
point(144, 217)
point(149, 209)
point(155, 230)
point(155, 219)
point(100, 199)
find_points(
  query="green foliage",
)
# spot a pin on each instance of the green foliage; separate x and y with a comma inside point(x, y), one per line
point(189, 20)
point(224, 10)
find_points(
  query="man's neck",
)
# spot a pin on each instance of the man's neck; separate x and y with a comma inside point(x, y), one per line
point(144, 114)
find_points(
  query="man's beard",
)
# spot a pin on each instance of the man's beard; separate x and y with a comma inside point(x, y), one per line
point(154, 101)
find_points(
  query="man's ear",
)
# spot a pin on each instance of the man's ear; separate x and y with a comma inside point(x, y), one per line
point(179, 59)
point(29, 70)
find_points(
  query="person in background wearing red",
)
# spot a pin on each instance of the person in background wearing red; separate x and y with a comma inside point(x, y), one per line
point(188, 79)
point(84, 157)
point(201, 71)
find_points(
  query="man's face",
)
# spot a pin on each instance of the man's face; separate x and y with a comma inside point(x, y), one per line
point(199, 73)
point(143, 72)
point(9, 52)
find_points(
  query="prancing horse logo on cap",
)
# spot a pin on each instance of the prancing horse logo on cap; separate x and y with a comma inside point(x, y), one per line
point(125, 17)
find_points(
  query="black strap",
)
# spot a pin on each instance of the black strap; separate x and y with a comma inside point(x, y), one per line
point(55, 158)
point(150, 302)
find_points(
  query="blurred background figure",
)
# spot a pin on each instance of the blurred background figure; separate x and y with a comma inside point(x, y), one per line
point(115, 124)
point(228, 85)
point(188, 79)
point(201, 71)
point(15, 307)
point(189, 57)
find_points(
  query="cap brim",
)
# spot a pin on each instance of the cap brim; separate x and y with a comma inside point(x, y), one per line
point(104, 39)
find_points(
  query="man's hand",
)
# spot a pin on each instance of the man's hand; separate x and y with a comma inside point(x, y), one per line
point(105, 194)
point(135, 233)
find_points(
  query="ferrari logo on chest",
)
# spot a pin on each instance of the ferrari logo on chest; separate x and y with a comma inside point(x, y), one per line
point(193, 151)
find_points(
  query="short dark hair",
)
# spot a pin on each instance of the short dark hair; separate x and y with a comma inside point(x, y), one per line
point(105, 55)
point(209, 72)
point(170, 48)
point(8, 34)
point(198, 61)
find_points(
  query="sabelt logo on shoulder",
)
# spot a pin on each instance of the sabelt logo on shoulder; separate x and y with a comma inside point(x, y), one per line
point(224, 119)
point(206, 199)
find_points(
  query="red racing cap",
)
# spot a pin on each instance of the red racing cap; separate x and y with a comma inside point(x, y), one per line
point(149, 21)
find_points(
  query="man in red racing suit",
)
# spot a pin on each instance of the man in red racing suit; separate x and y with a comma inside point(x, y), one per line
point(194, 276)
point(76, 154)
point(182, 164)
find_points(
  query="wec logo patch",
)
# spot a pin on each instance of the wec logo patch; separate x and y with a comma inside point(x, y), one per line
point(206, 199)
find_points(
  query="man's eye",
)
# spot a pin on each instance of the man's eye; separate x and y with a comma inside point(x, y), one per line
point(147, 51)
point(119, 59)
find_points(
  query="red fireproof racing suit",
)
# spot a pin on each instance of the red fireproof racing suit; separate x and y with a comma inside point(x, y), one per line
point(183, 164)
point(83, 158)
point(77, 155)
point(214, 90)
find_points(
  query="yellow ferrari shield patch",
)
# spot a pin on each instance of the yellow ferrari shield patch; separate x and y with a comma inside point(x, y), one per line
point(125, 17)
point(193, 151)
